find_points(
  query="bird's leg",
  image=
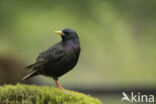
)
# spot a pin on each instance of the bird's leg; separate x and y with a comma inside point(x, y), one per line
point(60, 86)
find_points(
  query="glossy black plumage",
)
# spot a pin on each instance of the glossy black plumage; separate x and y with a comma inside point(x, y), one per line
point(58, 59)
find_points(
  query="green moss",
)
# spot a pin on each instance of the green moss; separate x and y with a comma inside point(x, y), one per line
point(31, 94)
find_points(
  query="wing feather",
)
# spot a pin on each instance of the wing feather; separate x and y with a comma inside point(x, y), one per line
point(52, 54)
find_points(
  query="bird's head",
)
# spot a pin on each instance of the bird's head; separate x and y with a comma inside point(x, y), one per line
point(67, 34)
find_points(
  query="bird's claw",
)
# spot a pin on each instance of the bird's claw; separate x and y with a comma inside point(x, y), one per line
point(67, 93)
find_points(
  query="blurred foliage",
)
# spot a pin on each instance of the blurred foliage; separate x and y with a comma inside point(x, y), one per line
point(41, 95)
point(117, 37)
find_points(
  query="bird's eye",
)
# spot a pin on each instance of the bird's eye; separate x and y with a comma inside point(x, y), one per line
point(66, 33)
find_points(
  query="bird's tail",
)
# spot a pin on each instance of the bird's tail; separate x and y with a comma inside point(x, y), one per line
point(30, 66)
point(31, 74)
point(34, 66)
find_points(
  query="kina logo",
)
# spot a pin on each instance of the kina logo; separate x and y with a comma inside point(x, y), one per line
point(137, 98)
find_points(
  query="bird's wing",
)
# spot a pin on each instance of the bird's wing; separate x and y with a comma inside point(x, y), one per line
point(52, 54)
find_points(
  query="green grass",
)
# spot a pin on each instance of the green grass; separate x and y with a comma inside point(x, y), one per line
point(31, 94)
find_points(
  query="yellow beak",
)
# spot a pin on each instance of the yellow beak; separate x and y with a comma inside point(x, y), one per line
point(59, 32)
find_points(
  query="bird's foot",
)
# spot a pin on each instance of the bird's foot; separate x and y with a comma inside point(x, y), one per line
point(59, 86)
point(66, 92)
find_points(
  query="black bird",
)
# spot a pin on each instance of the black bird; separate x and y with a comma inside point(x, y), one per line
point(59, 58)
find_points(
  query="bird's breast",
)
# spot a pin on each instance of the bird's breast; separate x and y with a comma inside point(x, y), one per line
point(63, 65)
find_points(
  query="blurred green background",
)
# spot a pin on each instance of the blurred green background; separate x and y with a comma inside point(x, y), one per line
point(118, 40)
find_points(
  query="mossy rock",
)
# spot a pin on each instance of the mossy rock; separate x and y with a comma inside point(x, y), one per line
point(31, 94)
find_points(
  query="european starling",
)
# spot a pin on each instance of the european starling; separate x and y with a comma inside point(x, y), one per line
point(59, 58)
